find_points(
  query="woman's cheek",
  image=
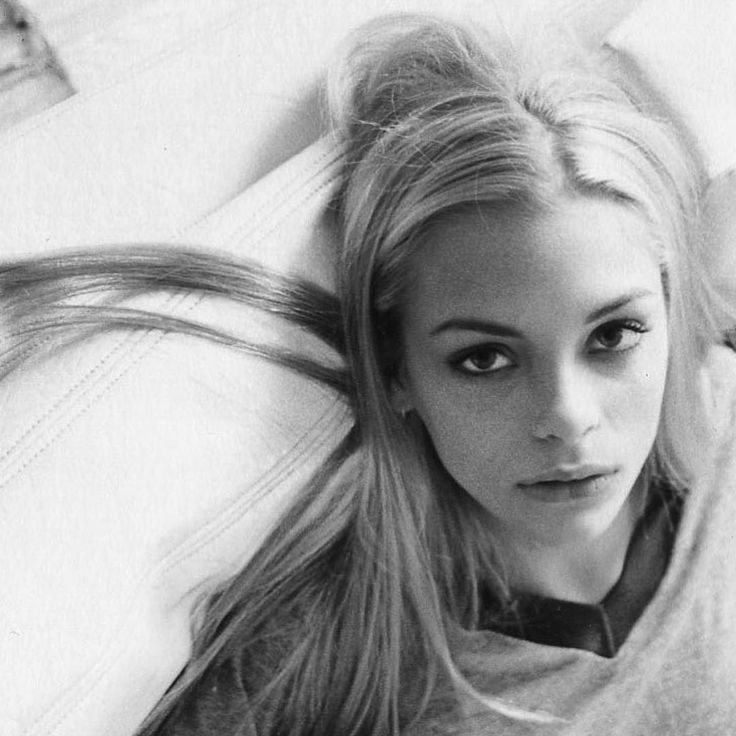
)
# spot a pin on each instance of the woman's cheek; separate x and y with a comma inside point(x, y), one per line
point(641, 396)
point(474, 440)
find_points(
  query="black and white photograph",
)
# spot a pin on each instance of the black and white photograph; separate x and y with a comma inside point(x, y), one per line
point(367, 368)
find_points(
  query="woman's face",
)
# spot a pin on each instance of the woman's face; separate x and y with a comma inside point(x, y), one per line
point(535, 353)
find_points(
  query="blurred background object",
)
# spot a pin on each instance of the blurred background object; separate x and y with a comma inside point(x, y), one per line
point(31, 78)
point(100, 41)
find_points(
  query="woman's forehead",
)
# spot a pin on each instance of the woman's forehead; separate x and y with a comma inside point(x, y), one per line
point(510, 259)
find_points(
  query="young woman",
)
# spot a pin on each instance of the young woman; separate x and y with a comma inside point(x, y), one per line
point(529, 529)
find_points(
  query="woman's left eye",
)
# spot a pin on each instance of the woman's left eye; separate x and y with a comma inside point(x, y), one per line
point(481, 360)
point(617, 337)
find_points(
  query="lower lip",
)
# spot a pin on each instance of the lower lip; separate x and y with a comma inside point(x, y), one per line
point(573, 490)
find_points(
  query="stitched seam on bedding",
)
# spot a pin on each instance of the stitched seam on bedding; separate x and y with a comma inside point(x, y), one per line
point(252, 230)
point(77, 694)
point(75, 415)
point(255, 238)
point(68, 399)
point(99, 365)
point(237, 234)
point(297, 182)
point(260, 238)
point(89, 388)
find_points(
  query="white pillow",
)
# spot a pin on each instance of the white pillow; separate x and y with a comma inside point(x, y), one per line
point(683, 52)
point(139, 470)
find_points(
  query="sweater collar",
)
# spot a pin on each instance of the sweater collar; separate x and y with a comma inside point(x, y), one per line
point(600, 628)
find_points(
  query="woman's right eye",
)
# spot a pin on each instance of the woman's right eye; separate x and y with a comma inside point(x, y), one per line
point(482, 360)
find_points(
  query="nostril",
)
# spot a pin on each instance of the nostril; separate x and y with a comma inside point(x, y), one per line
point(565, 417)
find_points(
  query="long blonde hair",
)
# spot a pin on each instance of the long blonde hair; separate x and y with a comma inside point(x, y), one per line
point(340, 622)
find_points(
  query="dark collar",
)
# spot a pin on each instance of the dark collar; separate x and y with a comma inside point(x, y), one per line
point(600, 628)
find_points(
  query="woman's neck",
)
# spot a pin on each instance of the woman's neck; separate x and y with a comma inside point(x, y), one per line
point(581, 570)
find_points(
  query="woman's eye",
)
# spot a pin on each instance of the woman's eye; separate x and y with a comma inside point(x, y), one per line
point(482, 360)
point(617, 337)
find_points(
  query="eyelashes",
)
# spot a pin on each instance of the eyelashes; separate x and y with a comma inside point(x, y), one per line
point(609, 340)
point(618, 336)
point(481, 360)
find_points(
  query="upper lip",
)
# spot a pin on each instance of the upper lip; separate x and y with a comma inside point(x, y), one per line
point(567, 473)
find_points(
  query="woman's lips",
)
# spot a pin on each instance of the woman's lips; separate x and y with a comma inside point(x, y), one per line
point(568, 489)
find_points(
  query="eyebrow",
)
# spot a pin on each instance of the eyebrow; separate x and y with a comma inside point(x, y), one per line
point(496, 328)
point(616, 304)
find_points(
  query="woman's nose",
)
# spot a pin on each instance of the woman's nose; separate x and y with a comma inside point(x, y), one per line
point(567, 404)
